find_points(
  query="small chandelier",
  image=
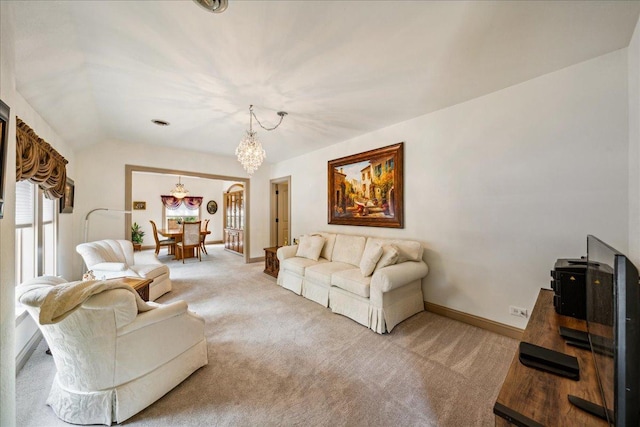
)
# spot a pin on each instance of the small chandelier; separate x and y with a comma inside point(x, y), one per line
point(179, 192)
point(250, 152)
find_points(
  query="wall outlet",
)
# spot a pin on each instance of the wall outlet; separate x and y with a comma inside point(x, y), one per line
point(518, 311)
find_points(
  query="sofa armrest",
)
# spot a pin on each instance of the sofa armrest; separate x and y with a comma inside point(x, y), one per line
point(158, 314)
point(287, 252)
point(109, 266)
point(398, 275)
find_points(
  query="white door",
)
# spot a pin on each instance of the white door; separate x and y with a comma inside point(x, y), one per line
point(282, 214)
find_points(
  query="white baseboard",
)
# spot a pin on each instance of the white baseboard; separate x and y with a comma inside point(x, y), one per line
point(28, 350)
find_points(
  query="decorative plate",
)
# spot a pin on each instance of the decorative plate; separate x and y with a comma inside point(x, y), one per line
point(212, 207)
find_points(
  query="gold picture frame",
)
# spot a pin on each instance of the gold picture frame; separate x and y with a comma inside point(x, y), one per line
point(4, 137)
point(67, 200)
point(365, 189)
point(139, 206)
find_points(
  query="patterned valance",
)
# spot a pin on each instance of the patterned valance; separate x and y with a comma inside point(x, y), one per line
point(192, 203)
point(39, 163)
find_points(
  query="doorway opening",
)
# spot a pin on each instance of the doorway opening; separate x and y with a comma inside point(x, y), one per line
point(130, 169)
point(280, 211)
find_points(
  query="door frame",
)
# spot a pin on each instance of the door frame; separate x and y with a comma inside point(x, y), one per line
point(273, 227)
point(128, 184)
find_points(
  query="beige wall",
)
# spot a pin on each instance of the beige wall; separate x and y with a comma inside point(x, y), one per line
point(499, 187)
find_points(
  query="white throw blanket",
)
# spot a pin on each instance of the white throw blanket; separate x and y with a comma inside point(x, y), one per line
point(58, 300)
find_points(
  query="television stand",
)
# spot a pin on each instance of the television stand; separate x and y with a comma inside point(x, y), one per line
point(591, 408)
point(530, 397)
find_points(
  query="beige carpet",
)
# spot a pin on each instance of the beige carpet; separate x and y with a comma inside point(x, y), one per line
point(277, 359)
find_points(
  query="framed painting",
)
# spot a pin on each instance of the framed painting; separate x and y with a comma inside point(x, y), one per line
point(4, 141)
point(366, 189)
point(66, 202)
point(139, 206)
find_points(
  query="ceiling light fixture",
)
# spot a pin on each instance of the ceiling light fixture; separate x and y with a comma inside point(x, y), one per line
point(250, 152)
point(179, 192)
point(215, 6)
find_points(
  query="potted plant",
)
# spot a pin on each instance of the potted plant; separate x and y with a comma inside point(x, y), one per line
point(136, 233)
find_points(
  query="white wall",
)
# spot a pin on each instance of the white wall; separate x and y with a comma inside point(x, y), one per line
point(499, 187)
point(100, 180)
point(19, 107)
point(633, 52)
point(149, 187)
point(7, 229)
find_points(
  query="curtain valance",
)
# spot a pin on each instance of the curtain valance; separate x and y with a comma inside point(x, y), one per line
point(39, 163)
point(191, 202)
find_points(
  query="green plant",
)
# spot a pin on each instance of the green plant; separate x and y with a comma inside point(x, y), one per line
point(136, 233)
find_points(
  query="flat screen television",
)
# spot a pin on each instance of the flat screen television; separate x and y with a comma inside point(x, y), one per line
point(613, 323)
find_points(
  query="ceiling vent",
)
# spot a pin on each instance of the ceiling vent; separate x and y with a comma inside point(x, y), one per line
point(215, 6)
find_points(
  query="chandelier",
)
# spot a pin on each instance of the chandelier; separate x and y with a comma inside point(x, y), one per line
point(179, 192)
point(215, 6)
point(250, 152)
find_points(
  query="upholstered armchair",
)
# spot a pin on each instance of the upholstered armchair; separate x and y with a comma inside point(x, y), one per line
point(112, 361)
point(116, 258)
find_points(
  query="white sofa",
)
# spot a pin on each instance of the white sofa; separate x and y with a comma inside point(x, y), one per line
point(376, 282)
point(115, 258)
point(112, 361)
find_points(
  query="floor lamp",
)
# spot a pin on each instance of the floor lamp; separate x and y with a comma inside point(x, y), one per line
point(86, 219)
point(86, 224)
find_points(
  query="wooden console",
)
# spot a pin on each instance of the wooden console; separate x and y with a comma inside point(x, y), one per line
point(531, 397)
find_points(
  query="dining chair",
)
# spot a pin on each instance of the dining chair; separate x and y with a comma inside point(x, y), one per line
point(164, 242)
point(203, 236)
point(190, 239)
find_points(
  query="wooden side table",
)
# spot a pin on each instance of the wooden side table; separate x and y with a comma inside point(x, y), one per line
point(271, 263)
point(139, 284)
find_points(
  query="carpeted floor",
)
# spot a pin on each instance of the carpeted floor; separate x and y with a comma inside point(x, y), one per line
point(277, 359)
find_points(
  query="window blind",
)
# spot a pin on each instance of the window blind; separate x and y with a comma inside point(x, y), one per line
point(24, 203)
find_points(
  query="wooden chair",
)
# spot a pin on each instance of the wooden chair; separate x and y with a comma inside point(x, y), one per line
point(170, 243)
point(190, 239)
point(203, 237)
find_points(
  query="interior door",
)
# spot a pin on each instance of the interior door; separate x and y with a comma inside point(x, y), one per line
point(282, 215)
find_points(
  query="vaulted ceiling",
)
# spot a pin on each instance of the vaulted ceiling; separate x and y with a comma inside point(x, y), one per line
point(98, 70)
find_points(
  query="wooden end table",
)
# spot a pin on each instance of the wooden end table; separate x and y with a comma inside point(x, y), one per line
point(271, 263)
point(139, 284)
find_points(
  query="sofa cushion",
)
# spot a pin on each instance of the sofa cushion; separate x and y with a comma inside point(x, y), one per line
point(370, 257)
point(409, 250)
point(297, 265)
point(321, 273)
point(150, 271)
point(389, 256)
point(348, 249)
point(310, 247)
point(329, 243)
point(352, 281)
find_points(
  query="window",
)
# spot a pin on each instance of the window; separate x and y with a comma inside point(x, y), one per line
point(173, 217)
point(36, 237)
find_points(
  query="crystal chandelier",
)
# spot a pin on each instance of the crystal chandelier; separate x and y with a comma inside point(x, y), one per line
point(179, 192)
point(250, 152)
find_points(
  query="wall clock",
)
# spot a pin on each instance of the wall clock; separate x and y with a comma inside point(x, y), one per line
point(212, 207)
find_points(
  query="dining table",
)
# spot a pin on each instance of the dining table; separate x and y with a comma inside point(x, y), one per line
point(176, 234)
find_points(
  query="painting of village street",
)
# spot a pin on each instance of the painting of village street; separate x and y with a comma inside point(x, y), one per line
point(365, 189)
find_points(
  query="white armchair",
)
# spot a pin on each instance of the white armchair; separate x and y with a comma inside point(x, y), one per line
point(116, 258)
point(112, 361)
